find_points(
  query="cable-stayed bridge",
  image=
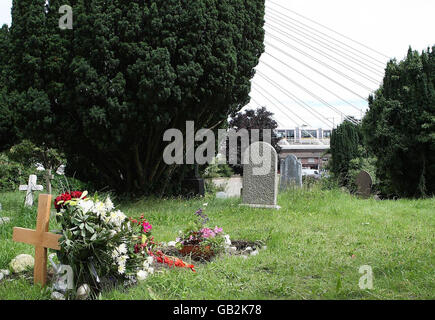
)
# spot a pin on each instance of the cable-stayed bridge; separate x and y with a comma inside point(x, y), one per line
point(312, 76)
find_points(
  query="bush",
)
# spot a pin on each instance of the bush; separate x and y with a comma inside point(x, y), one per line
point(12, 174)
point(27, 153)
point(355, 167)
point(218, 170)
point(211, 188)
point(399, 126)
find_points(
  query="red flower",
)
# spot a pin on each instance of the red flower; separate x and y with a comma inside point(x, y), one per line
point(66, 197)
point(161, 258)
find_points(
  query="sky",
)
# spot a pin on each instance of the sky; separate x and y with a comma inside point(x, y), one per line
point(310, 75)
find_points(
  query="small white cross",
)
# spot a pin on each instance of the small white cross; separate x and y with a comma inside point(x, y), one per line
point(31, 186)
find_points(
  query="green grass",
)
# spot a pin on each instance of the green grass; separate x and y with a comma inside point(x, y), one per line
point(315, 246)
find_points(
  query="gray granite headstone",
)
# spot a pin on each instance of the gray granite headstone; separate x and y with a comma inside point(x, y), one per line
point(364, 183)
point(260, 179)
point(291, 172)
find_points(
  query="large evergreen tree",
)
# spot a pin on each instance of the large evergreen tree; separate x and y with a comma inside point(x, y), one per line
point(399, 127)
point(105, 91)
point(7, 119)
point(344, 147)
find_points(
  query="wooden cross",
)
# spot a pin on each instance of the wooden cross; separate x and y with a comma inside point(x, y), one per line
point(48, 176)
point(31, 186)
point(40, 238)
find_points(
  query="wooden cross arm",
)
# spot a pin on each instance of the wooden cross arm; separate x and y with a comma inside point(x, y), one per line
point(44, 239)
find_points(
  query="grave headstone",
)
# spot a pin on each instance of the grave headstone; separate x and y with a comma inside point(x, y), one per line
point(260, 179)
point(29, 188)
point(364, 183)
point(291, 172)
point(40, 238)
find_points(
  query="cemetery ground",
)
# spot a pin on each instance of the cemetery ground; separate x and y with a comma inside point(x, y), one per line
point(316, 244)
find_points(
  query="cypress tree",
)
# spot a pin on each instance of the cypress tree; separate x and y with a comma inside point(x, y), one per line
point(344, 143)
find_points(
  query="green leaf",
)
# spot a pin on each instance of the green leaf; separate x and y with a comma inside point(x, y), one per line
point(89, 228)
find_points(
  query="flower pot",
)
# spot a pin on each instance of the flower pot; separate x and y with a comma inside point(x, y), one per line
point(197, 252)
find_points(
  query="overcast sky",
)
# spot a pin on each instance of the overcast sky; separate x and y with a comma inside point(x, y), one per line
point(388, 26)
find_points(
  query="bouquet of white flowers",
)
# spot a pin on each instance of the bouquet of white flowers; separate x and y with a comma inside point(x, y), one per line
point(97, 240)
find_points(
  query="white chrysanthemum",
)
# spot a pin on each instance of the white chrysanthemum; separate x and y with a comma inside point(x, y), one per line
point(85, 205)
point(150, 270)
point(115, 253)
point(145, 264)
point(122, 259)
point(121, 269)
point(141, 275)
point(122, 248)
point(116, 218)
point(109, 204)
point(150, 260)
point(112, 218)
point(121, 215)
point(99, 209)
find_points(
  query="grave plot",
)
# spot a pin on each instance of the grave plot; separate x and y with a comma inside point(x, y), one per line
point(99, 248)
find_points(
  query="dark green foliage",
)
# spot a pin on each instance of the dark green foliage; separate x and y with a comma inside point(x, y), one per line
point(216, 170)
point(13, 173)
point(7, 120)
point(29, 154)
point(105, 92)
point(399, 127)
point(17, 163)
point(363, 162)
point(345, 141)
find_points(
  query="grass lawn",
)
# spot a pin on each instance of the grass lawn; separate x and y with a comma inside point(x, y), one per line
point(315, 246)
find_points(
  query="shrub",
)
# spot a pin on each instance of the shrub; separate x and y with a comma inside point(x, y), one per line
point(12, 174)
point(218, 170)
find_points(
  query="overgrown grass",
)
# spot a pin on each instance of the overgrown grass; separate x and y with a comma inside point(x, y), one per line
point(315, 245)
